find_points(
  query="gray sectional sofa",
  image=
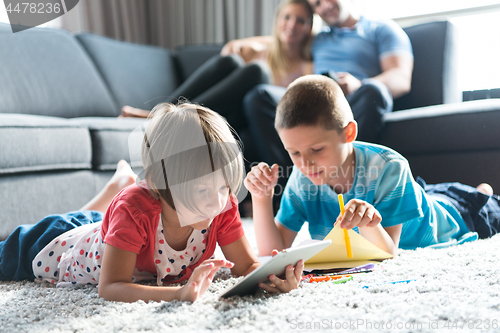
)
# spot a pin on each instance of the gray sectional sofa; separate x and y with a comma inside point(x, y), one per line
point(60, 95)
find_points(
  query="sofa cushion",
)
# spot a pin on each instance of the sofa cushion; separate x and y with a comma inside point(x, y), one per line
point(109, 139)
point(137, 75)
point(47, 72)
point(456, 127)
point(34, 143)
point(27, 198)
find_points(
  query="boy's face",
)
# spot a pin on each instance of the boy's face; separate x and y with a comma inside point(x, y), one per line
point(320, 154)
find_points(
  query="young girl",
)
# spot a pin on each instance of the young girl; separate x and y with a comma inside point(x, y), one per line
point(164, 226)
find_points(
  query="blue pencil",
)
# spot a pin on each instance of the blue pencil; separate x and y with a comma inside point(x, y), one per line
point(380, 284)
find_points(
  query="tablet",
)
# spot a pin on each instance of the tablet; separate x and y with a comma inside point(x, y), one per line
point(276, 265)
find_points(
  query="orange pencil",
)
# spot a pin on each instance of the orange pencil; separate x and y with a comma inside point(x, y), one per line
point(324, 278)
point(346, 233)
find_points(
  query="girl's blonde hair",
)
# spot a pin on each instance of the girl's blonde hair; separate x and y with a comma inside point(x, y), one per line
point(276, 57)
point(183, 143)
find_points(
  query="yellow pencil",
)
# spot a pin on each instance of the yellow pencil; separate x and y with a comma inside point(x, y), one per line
point(346, 233)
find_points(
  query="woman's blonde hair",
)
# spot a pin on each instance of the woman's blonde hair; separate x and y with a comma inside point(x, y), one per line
point(183, 143)
point(276, 56)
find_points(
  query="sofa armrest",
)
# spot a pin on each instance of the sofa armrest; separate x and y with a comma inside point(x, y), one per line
point(444, 128)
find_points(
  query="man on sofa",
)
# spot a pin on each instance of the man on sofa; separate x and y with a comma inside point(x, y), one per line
point(372, 61)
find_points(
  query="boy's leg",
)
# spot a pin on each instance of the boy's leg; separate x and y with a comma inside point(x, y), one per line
point(485, 188)
point(123, 177)
point(487, 224)
point(480, 211)
point(20, 248)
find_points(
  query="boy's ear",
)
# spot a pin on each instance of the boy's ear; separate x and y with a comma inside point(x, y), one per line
point(351, 131)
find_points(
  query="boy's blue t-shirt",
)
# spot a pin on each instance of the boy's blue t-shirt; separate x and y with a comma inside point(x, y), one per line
point(358, 50)
point(383, 179)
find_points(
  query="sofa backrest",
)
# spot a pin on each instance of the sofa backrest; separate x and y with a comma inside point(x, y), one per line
point(137, 75)
point(434, 79)
point(190, 57)
point(47, 72)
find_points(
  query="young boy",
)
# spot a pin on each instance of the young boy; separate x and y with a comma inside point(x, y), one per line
point(389, 208)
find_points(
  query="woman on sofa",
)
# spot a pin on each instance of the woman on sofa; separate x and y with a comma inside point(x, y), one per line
point(222, 82)
point(287, 51)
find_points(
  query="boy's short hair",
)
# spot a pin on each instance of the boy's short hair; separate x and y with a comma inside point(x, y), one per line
point(312, 100)
point(184, 143)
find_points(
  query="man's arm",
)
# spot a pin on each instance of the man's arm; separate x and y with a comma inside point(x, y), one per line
point(396, 74)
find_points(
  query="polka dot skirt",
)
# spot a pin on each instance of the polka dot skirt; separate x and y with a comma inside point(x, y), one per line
point(73, 258)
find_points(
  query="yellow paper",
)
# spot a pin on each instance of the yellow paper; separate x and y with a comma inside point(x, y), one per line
point(335, 255)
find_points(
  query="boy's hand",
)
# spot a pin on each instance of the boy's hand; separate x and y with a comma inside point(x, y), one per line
point(359, 213)
point(292, 278)
point(201, 278)
point(261, 180)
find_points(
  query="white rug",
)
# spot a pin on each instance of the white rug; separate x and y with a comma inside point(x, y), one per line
point(456, 289)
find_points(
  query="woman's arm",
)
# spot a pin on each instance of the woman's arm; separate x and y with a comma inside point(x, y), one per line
point(115, 281)
point(249, 49)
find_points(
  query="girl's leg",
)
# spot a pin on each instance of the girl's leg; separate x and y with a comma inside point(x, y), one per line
point(21, 247)
point(123, 177)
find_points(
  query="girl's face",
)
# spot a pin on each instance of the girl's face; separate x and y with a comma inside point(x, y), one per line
point(210, 195)
point(293, 25)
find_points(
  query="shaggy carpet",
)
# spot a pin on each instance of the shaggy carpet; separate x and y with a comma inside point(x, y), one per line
point(455, 289)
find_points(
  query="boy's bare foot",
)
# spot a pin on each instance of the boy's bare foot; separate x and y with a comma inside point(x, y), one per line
point(485, 188)
point(128, 111)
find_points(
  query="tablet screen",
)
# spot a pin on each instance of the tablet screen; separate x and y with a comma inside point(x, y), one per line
point(276, 265)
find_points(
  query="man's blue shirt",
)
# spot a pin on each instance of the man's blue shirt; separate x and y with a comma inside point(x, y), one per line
point(358, 50)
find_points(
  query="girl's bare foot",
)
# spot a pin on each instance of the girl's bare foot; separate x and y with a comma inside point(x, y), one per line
point(128, 111)
point(123, 177)
point(485, 188)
